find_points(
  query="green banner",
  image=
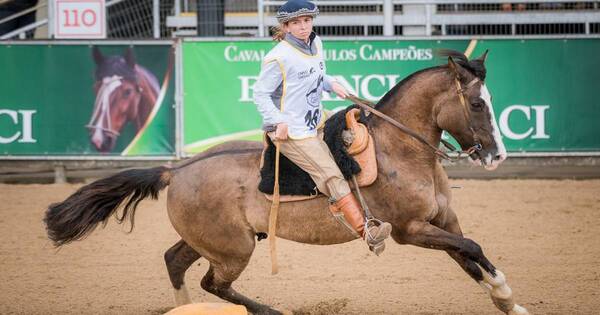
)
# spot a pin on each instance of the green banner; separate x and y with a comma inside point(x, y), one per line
point(113, 100)
point(543, 90)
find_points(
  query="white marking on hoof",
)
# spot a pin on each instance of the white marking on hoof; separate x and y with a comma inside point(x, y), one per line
point(518, 310)
point(486, 287)
point(182, 297)
point(497, 281)
point(500, 292)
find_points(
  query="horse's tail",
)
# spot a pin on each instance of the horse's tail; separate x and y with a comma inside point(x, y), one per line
point(77, 216)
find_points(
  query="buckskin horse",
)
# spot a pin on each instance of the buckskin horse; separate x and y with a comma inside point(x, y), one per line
point(218, 211)
point(125, 91)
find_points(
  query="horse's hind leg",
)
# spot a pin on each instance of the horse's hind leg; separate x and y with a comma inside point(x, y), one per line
point(214, 283)
point(226, 264)
point(178, 259)
point(467, 254)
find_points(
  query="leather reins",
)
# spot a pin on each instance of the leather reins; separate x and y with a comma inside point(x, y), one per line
point(369, 107)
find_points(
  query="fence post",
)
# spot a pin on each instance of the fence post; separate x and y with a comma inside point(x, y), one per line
point(587, 28)
point(179, 136)
point(60, 174)
point(156, 18)
point(50, 19)
point(261, 18)
point(428, 20)
point(388, 18)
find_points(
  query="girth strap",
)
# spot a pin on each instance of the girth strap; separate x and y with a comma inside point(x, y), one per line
point(273, 215)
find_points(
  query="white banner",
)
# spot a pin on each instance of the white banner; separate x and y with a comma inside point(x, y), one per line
point(79, 19)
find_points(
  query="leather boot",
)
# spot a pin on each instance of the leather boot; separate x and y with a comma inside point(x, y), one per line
point(353, 213)
point(376, 235)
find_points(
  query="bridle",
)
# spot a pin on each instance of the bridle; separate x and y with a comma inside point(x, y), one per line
point(102, 106)
point(369, 107)
point(461, 96)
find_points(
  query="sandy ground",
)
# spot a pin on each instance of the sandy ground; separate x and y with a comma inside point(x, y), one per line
point(543, 234)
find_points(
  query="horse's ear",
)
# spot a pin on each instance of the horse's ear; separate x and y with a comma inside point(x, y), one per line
point(483, 57)
point(130, 57)
point(456, 68)
point(97, 55)
point(453, 66)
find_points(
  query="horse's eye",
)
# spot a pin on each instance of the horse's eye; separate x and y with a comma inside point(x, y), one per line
point(127, 93)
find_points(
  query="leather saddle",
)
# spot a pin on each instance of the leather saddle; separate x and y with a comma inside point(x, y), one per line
point(351, 145)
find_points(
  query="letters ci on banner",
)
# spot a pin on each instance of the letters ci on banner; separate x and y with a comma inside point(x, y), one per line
point(536, 107)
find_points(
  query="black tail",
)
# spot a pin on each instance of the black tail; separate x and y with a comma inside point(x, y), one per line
point(77, 216)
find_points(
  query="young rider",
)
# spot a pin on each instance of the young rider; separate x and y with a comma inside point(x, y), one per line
point(288, 95)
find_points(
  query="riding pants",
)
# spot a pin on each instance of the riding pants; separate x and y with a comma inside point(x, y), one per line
point(313, 156)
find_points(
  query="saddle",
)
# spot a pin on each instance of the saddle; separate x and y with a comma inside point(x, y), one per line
point(351, 145)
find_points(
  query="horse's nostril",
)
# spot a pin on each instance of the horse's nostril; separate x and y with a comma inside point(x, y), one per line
point(500, 157)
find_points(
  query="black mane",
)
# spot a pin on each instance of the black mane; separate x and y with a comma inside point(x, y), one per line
point(115, 65)
point(391, 92)
point(475, 66)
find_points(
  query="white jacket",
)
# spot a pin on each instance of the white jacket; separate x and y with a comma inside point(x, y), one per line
point(290, 87)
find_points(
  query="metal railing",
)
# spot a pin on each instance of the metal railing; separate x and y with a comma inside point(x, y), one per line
point(125, 19)
point(129, 19)
point(431, 17)
point(22, 31)
point(414, 17)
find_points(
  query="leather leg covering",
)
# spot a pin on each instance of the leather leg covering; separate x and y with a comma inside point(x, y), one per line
point(349, 206)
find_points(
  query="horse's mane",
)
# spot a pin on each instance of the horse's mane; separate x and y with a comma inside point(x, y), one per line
point(475, 67)
point(149, 76)
point(115, 65)
point(384, 100)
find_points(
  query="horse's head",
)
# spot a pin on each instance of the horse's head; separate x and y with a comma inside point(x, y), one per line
point(466, 111)
point(117, 97)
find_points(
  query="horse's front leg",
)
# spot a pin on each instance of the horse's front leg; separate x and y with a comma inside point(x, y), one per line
point(469, 256)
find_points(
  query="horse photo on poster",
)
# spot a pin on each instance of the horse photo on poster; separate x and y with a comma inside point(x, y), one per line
point(125, 92)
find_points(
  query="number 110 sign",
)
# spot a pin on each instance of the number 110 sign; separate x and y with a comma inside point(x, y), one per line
point(79, 19)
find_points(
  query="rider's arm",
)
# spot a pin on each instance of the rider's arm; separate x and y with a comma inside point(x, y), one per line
point(269, 80)
point(332, 85)
point(327, 81)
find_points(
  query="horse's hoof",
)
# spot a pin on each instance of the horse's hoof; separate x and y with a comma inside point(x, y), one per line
point(496, 281)
point(518, 310)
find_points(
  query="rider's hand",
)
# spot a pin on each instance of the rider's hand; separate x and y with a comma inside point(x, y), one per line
point(281, 132)
point(339, 90)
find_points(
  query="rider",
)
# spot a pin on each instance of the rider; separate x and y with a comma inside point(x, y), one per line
point(288, 95)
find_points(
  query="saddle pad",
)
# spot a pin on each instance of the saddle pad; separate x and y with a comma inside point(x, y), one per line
point(296, 182)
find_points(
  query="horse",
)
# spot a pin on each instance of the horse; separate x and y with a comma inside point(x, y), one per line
point(214, 204)
point(125, 92)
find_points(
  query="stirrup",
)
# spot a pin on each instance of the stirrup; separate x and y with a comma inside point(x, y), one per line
point(378, 248)
point(377, 242)
point(369, 223)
